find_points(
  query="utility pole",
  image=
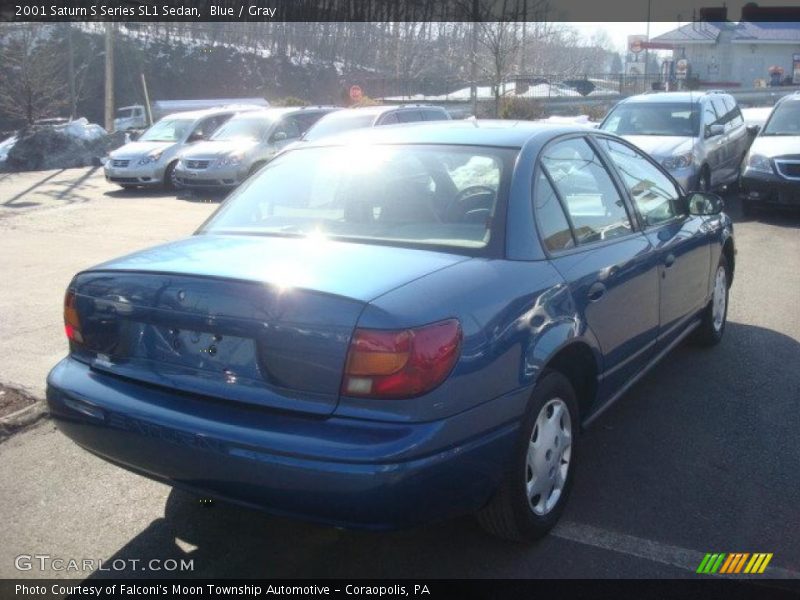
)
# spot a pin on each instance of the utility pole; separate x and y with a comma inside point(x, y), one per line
point(147, 101)
point(109, 77)
point(473, 62)
point(646, 49)
point(73, 101)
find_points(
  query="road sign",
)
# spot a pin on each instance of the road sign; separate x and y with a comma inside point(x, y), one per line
point(681, 68)
point(355, 93)
point(635, 43)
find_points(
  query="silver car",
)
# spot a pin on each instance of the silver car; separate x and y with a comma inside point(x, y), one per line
point(150, 161)
point(699, 137)
point(243, 145)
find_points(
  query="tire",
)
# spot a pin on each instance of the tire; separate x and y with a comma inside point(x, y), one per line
point(127, 186)
point(170, 183)
point(704, 180)
point(511, 513)
point(255, 169)
point(715, 315)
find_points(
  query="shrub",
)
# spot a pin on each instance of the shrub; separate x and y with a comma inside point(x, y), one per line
point(290, 101)
point(522, 108)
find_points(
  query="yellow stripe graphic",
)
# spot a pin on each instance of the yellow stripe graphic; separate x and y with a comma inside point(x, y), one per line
point(765, 563)
point(751, 564)
point(757, 564)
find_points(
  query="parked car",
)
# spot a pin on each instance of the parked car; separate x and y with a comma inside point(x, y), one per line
point(397, 325)
point(373, 116)
point(772, 168)
point(134, 117)
point(699, 137)
point(243, 145)
point(150, 160)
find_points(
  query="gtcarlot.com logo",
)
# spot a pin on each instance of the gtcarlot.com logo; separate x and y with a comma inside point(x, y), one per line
point(45, 562)
point(734, 563)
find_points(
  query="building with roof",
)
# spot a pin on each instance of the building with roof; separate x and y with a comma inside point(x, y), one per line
point(748, 53)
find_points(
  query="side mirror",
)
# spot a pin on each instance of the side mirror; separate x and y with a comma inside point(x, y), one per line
point(715, 129)
point(705, 204)
point(279, 136)
point(753, 130)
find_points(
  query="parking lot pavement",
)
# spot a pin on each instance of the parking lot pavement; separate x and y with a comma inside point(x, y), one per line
point(700, 456)
point(53, 224)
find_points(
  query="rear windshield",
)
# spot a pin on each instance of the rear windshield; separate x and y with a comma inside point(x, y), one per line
point(338, 123)
point(243, 128)
point(409, 195)
point(646, 118)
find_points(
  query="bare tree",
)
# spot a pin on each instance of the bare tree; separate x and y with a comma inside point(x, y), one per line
point(32, 81)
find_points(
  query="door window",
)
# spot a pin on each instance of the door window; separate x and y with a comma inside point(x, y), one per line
point(288, 128)
point(595, 207)
point(656, 197)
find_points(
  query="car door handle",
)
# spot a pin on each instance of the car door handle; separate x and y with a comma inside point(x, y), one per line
point(669, 260)
point(596, 291)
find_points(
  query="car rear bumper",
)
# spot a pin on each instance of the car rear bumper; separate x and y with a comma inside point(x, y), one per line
point(341, 471)
point(767, 188)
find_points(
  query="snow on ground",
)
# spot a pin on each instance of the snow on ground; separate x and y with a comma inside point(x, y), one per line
point(82, 129)
point(6, 146)
point(507, 90)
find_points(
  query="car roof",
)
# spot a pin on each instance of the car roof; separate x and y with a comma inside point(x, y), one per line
point(488, 132)
point(209, 112)
point(281, 111)
point(668, 97)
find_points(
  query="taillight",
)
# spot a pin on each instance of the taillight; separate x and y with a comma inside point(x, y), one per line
point(401, 364)
point(72, 324)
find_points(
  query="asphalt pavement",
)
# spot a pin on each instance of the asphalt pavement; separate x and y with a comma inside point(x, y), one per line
point(700, 456)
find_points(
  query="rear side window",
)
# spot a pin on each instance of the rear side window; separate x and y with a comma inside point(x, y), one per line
point(434, 115)
point(594, 204)
point(409, 116)
point(390, 119)
point(553, 225)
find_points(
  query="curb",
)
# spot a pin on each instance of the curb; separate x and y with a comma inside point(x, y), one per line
point(22, 418)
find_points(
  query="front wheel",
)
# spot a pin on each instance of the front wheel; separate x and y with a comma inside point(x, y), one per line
point(535, 488)
point(715, 315)
point(170, 179)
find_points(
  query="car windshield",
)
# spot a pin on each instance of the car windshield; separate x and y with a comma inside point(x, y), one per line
point(167, 130)
point(654, 119)
point(338, 123)
point(245, 128)
point(403, 194)
point(785, 120)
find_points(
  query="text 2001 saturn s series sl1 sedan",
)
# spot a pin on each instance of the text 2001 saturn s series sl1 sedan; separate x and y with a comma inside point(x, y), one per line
point(396, 325)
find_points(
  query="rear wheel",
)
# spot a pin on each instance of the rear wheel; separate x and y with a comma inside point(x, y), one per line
point(715, 315)
point(535, 489)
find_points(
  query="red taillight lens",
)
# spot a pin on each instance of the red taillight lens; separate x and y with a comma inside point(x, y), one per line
point(401, 364)
point(72, 324)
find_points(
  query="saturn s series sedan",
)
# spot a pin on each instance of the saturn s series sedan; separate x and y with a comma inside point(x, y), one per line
point(396, 325)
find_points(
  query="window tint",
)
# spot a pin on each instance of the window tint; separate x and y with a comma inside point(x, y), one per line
point(550, 216)
point(287, 126)
point(595, 207)
point(720, 109)
point(737, 118)
point(305, 120)
point(390, 119)
point(656, 197)
point(709, 116)
point(409, 116)
point(434, 115)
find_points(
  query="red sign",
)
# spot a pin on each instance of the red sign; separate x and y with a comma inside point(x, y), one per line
point(355, 93)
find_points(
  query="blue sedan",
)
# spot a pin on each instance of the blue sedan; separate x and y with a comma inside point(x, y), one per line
point(397, 325)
